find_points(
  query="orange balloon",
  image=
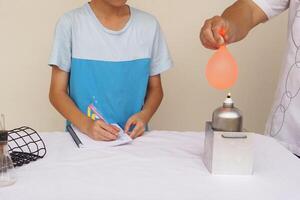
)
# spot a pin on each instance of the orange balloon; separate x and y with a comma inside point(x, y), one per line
point(222, 70)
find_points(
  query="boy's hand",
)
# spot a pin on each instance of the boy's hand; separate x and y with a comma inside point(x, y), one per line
point(139, 122)
point(99, 130)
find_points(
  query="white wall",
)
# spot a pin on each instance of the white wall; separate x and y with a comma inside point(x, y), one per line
point(26, 31)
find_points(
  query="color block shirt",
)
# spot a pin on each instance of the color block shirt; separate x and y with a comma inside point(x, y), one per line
point(109, 70)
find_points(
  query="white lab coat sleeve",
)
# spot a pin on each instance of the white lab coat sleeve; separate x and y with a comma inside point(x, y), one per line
point(272, 8)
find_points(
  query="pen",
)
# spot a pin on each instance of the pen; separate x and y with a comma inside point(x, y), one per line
point(74, 136)
point(97, 113)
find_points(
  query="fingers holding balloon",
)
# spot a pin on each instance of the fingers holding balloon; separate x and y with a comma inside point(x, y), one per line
point(214, 32)
point(207, 37)
point(217, 36)
point(219, 31)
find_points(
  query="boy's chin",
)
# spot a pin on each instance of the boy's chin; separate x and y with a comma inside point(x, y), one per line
point(117, 3)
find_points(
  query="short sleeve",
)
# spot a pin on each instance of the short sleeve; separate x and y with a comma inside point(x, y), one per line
point(272, 8)
point(62, 45)
point(160, 58)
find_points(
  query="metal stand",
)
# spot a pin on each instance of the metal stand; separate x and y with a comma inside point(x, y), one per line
point(25, 145)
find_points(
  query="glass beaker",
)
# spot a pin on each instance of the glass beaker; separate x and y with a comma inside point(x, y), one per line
point(7, 172)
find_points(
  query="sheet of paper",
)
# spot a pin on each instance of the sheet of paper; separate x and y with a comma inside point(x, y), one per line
point(90, 143)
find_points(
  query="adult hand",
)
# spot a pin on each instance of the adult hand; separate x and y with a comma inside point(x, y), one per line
point(215, 32)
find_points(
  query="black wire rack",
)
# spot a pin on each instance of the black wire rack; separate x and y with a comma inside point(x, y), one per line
point(25, 145)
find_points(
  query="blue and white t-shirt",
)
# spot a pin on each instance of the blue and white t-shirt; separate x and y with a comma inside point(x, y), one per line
point(109, 69)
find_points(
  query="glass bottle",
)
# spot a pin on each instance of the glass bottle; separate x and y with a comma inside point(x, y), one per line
point(7, 172)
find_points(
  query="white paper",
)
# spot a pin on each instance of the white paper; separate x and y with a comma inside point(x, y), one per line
point(87, 142)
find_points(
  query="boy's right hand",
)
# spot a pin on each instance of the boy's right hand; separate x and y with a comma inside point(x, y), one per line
point(101, 131)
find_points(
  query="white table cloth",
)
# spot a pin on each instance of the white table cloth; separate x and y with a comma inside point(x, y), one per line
point(160, 165)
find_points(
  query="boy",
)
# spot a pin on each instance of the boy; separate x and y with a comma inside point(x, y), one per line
point(108, 56)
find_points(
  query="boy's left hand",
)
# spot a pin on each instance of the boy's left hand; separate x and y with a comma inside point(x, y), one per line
point(139, 122)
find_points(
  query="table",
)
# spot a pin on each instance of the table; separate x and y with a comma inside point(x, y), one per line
point(160, 165)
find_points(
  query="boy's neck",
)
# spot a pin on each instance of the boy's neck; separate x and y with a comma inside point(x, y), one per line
point(107, 11)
